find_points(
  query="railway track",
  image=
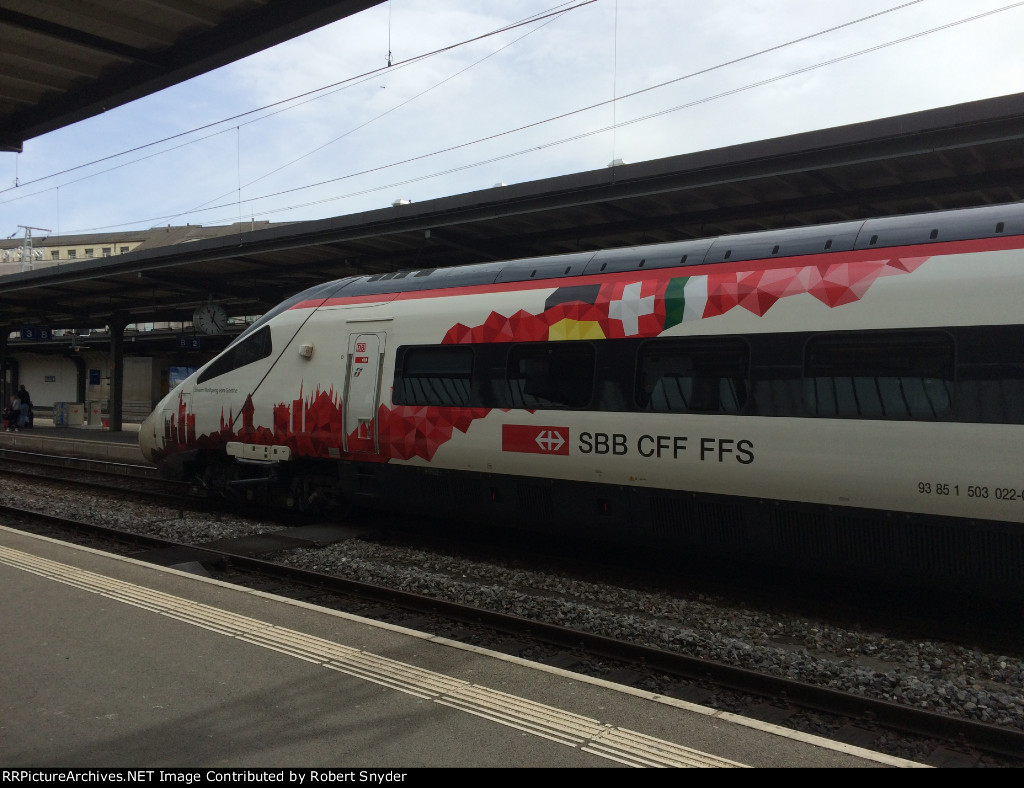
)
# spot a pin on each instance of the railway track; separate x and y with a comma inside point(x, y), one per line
point(256, 561)
point(141, 480)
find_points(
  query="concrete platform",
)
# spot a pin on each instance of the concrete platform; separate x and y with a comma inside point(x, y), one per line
point(112, 662)
point(90, 442)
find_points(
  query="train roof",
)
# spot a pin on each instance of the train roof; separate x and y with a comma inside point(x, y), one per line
point(963, 224)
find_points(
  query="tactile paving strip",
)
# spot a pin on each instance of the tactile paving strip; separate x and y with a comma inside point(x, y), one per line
point(592, 736)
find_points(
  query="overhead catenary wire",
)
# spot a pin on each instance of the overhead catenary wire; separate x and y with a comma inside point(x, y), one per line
point(288, 104)
point(558, 10)
point(616, 124)
point(592, 132)
point(546, 21)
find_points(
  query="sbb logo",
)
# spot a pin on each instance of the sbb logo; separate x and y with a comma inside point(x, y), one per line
point(530, 439)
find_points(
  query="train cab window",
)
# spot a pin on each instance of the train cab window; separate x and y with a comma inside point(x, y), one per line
point(439, 376)
point(707, 375)
point(550, 375)
point(879, 375)
point(253, 348)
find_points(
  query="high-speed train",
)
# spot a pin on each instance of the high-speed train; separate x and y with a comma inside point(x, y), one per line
point(847, 397)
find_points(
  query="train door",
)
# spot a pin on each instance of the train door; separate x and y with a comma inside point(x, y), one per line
point(362, 392)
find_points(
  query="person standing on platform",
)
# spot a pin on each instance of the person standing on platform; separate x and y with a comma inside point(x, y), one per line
point(26, 407)
point(12, 414)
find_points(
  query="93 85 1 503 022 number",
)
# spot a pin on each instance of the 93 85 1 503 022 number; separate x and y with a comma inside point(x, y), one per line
point(971, 491)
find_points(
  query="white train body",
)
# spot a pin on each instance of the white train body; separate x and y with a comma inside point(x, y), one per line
point(861, 391)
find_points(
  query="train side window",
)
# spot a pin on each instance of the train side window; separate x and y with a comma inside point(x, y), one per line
point(253, 348)
point(990, 374)
point(776, 374)
point(550, 375)
point(707, 375)
point(879, 375)
point(991, 393)
point(438, 376)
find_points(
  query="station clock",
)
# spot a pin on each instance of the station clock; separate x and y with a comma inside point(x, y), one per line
point(210, 319)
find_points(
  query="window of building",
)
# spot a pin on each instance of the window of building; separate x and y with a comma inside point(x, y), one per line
point(72, 254)
point(124, 250)
point(88, 252)
point(55, 254)
point(106, 251)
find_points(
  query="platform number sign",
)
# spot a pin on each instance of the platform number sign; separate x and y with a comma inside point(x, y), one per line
point(190, 343)
point(35, 332)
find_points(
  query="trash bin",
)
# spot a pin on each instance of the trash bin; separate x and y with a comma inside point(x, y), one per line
point(74, 415)
point(95, 413)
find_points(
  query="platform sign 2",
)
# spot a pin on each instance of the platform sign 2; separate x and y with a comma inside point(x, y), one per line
point(190, 343)
point(35, 332)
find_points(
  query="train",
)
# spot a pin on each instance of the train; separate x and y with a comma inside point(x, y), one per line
point(845, 397)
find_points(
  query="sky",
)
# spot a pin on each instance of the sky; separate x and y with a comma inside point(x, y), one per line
point(421, 99)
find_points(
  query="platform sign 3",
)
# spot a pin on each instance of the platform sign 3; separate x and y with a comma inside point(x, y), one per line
point(36, 332)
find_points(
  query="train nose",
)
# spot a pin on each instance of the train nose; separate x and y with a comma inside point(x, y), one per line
point(148, 435)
